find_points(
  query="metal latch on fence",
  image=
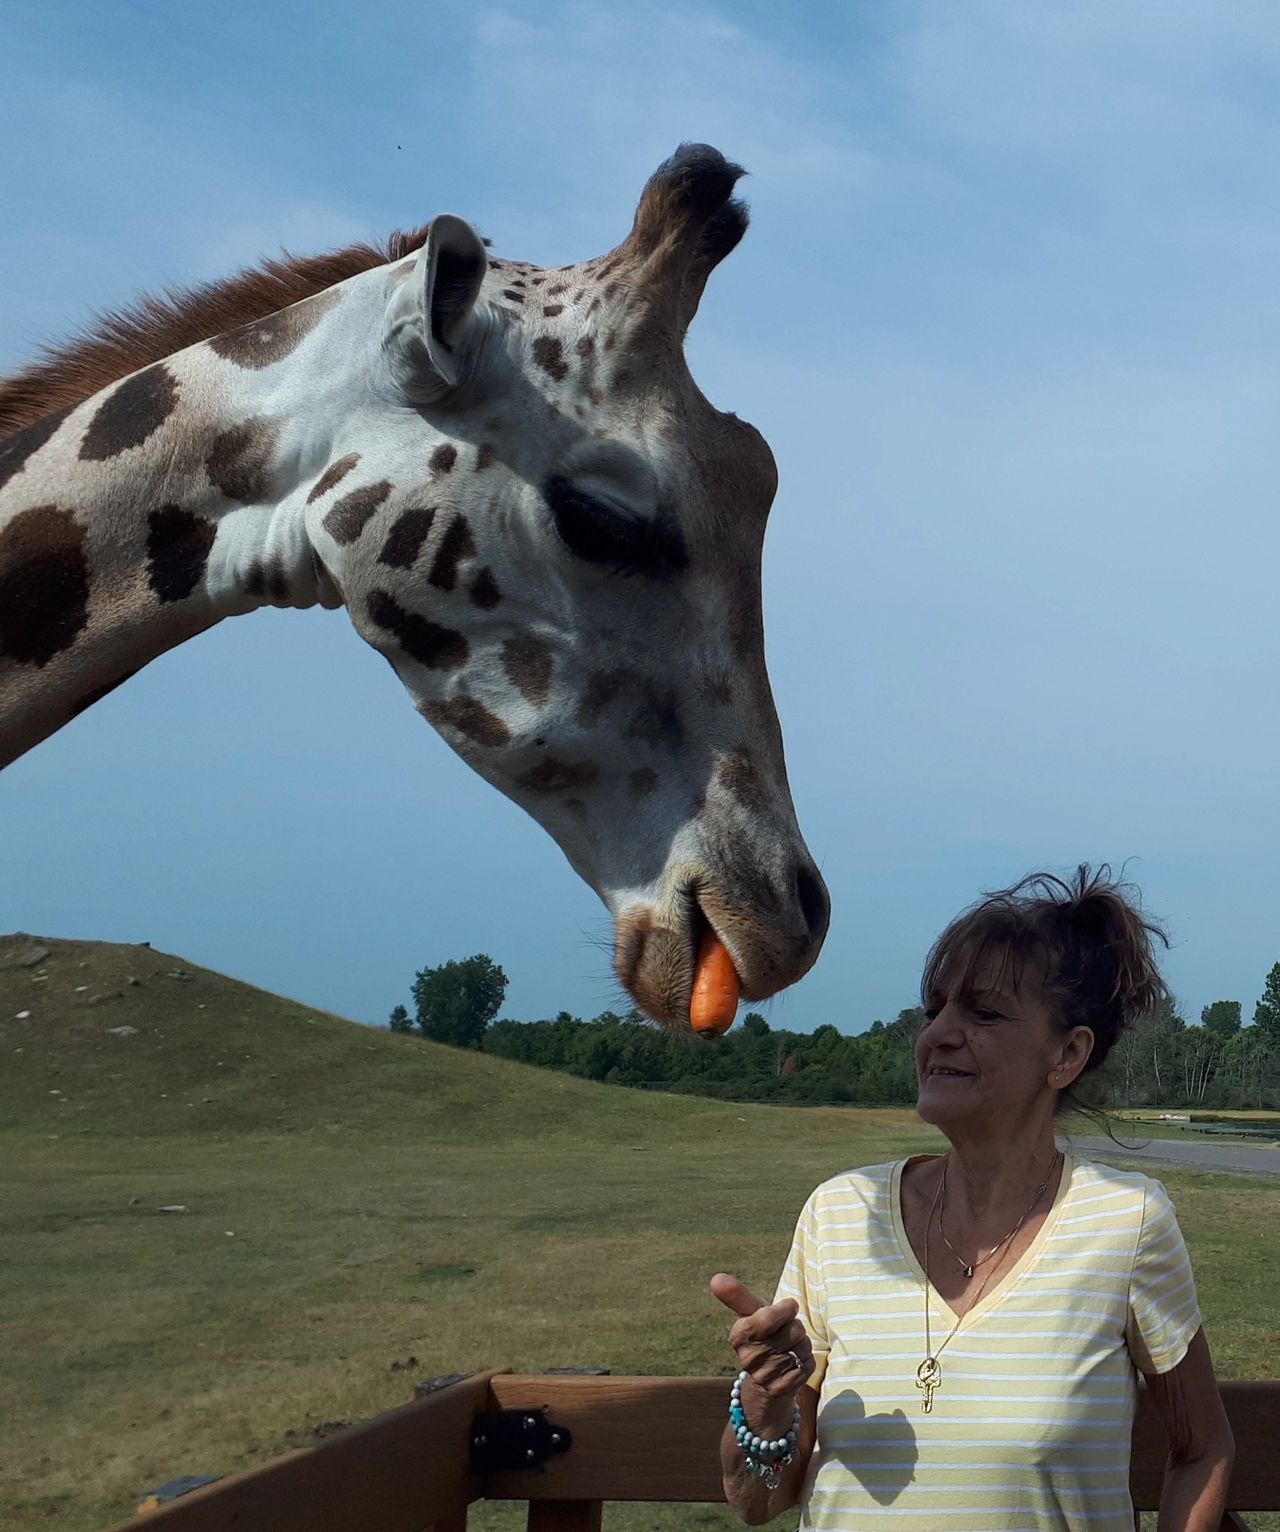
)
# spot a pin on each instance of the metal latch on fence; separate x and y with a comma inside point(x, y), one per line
point(506, 1439)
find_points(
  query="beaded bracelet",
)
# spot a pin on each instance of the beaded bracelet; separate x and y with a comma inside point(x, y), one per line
point(764, 1455)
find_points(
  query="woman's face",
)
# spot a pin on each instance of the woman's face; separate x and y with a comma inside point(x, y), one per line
point(987, 1059)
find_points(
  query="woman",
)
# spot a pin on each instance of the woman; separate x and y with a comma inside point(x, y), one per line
point(960, 1334)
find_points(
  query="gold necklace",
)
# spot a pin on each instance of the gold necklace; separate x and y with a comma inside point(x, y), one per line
point(929, 1372)
point(968, 1267)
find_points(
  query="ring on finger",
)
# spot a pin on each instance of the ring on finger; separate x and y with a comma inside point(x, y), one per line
point(795, 1361)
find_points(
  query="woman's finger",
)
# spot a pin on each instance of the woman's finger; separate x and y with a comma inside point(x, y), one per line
point(735, 1295)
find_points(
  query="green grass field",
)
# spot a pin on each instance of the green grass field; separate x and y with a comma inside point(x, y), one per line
point(356, 1199)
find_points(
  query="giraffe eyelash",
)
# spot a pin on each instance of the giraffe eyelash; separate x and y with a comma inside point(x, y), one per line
point(593, 531)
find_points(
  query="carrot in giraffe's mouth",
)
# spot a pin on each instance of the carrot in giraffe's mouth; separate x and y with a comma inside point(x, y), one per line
point(714, 1001)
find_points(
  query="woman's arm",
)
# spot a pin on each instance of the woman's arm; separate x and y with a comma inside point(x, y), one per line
point(1201, 1447)
point(748, 1494)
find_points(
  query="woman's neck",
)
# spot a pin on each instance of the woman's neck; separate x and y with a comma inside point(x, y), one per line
point(988, 1176)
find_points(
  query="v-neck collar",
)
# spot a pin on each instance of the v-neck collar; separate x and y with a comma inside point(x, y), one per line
point(1015, 1273)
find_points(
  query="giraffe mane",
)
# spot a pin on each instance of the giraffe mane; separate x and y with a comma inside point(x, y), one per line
point(122, 341)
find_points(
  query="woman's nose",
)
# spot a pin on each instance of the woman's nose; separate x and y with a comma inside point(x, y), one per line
point(944, 1026)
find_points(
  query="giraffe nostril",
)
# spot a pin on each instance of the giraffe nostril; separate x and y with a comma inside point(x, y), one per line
point(815, 903)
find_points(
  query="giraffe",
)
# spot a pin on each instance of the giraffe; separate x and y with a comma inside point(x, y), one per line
point(509, 478)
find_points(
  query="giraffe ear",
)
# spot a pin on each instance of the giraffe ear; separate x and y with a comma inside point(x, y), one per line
point(433, 311)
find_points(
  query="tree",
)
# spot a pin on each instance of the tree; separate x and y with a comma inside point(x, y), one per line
point(1266, 1014)
point(754, 1025)
point(400, 1021)
point(457, 1000)
point(1221, 1018)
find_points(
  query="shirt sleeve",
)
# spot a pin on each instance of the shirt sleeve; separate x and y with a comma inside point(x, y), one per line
point(802, 1280)
point(1164, 1314)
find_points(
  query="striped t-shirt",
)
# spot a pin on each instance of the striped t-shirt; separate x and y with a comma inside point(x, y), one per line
point(1030, 1428)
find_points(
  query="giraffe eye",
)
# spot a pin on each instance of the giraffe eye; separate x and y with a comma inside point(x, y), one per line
point(594, 531)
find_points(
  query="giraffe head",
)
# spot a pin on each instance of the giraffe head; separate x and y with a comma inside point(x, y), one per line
point(566, 577)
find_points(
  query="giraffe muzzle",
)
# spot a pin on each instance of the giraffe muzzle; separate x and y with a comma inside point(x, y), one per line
point(656, 947)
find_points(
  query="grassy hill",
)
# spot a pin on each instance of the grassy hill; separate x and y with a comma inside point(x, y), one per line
point(362, 1209)
point(208, 1054)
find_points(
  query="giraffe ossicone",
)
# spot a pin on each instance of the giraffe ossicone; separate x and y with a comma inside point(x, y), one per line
point(509, 478)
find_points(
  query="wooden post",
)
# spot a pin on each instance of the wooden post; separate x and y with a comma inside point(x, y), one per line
point(565, 1515)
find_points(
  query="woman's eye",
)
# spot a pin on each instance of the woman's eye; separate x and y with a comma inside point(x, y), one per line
point(601, 535)
point(988, 1016)
point(932, 1012)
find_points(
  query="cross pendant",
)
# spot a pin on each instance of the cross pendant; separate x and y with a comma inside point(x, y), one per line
point(968, 1271)
point(928, 1378)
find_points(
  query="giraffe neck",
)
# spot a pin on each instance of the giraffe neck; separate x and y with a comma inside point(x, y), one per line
point(169, 501)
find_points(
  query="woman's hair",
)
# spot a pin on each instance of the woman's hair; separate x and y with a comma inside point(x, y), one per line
point(1084, 943)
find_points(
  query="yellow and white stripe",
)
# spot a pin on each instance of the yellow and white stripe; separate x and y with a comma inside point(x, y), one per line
point(1030, 1429)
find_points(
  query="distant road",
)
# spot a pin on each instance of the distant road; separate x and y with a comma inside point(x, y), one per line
point(1241, 1158)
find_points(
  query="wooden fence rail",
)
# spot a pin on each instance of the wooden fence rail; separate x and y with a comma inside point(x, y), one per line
point(654, 1439)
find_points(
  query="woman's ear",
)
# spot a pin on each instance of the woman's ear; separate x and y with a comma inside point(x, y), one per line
point(432, 316)
point(1074, 1055)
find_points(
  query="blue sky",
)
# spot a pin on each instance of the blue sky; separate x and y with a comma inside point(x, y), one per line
point(1007, 314)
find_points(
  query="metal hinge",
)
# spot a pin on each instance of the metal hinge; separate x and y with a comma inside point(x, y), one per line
point(505, 1439)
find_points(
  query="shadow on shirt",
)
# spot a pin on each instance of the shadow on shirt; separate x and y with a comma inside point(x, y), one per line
point(880, 1451)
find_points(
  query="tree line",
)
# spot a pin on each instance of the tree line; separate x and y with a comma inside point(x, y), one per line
point(1219, 1062)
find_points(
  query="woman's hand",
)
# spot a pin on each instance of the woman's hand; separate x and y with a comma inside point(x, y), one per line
point(772, 1346)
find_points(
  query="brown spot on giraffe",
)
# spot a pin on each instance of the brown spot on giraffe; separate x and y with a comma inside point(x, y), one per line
point(333, 475)
point(348, 518)
point(239, 461)
point(656, 722)
point(44, 584)
point(270, 340)
point(549, 355)
point(455, 546)
point(443, 458)
point(641, 782)
point(485, 455)
point(16, 449)
point(406, 537)
point(427, 642)
point(178, 548)
point(529, 666)
point(514, 296)
point(485, 592)
point(468, 717)
point(601, 689)
point(738, 775)
point(130, 414)
point(585, 346)
point(560, 287)
point(552, 776)
point(552, 309)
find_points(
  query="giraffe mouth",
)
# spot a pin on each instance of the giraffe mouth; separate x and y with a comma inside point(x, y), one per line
point(656, 960)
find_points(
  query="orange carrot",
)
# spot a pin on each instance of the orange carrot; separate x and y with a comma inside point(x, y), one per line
point(714, 1002)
